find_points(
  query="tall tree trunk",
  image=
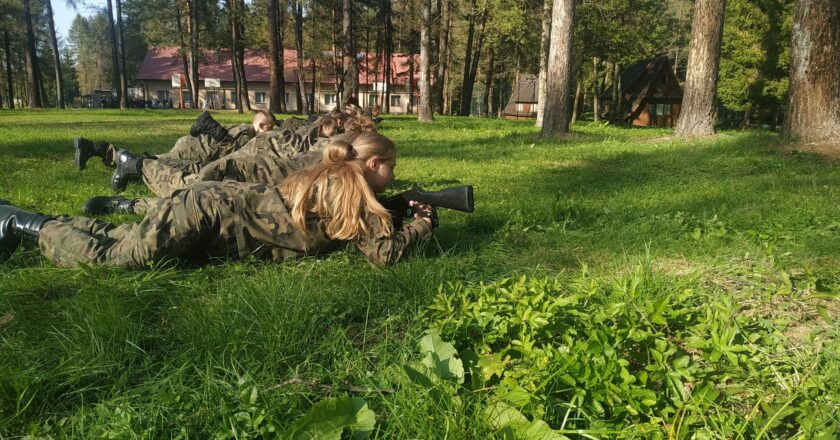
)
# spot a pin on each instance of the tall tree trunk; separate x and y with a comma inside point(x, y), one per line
point(339, 71)
point(9, 81)
point(595, 83)
point(424, 112)
point(303, 100)
point(466, 91)
point(238, 56)
point(617, 115)
point(577, 102)
point(443, 55)
point(351, 75)
point(389, 51)
point(544, 40)
point(31, 54)
point(555, 119)
point(192, 34)
point(488, 80)
point(121, 48)
point(183, 45)
point(115, 54)
point(697, 117)
point(813, 112)
point(59, 81)
point(464, 108)
point(275, 54)
point(410, 84)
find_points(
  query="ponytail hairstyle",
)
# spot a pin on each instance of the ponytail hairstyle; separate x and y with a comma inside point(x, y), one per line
point(336, 189)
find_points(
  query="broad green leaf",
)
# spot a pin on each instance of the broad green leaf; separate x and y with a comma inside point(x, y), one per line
point(330, 417)
point(439, 358)
point(500, 414)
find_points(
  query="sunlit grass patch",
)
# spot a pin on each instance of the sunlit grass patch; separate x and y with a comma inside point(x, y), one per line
point(742, 236)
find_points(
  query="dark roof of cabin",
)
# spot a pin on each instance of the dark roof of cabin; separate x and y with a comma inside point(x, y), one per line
point(636, 77)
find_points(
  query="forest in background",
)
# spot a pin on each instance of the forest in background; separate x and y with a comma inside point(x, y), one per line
point(496, 40)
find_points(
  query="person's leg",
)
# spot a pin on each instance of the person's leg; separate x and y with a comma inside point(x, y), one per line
point(164, 180)
point(172, 227)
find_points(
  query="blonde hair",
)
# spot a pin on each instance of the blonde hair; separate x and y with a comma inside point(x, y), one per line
point(336, 189)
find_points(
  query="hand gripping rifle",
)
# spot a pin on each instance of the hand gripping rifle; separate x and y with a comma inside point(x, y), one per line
point(459, 198)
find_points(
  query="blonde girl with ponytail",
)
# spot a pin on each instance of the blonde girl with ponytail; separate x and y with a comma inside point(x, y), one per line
point(314, 211)
point(340, 192)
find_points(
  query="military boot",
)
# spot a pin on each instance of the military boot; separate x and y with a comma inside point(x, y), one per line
point(101, 205)
point(129, 167)
point(205, 124)
point(17, 225)
point(86, 148)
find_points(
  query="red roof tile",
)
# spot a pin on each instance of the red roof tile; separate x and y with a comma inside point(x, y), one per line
point(161, 63)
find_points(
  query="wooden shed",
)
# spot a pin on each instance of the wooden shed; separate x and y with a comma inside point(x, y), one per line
point(523, 100)
point(650, 95)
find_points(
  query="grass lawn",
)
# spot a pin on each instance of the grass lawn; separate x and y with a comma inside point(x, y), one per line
point(619, 283)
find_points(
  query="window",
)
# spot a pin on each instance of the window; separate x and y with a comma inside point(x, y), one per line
point(329, 98)
point(187, 98)
point(372, 99)
point(287, 98)
point(415, 100)
point(665, 109)
point(395, 100)
point(259, 97)
point(163, 95)
point(520, 107)
point(212, 96)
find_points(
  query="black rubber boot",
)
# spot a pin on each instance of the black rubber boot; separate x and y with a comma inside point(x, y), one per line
point(17, 225)
point(129, 167)
point(86, 148)
point(205, 124)
point(101, 205)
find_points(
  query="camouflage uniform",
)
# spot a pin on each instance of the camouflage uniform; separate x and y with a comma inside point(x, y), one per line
point(212, 220)
point(201, 149)
point(292, 124)
point(255, 162)
point(249, 169)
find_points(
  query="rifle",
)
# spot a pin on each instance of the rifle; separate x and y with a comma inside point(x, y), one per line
point(459, 198)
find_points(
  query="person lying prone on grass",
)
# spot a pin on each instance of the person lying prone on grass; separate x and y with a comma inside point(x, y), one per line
point(314, 211)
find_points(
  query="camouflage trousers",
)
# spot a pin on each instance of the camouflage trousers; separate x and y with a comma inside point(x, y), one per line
point(210, 220)
point(261, 160)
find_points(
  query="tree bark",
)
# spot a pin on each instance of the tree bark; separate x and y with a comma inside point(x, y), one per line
point(468, 89)
point(192, 33)
point(464, 108)
point(9, 83)
point(697, 117)
point(115, 54)
point(31, 54)
point(813, 112)
point(183, 46)
point(121, 51)
point(617, 114)
point(443, 56)
point(424, 112)
point(488, 80)
point(577, 102)
point(275, 58)
point(595, 83)
point(303, 99)
point(544, 42)
point(351, 78)
point(556, 118)
point(59, 81)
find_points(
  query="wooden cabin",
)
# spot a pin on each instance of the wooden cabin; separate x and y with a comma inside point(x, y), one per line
point(650, 95)
point(523, 100)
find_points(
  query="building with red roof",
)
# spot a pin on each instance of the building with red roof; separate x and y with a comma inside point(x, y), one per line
point(217, 89)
